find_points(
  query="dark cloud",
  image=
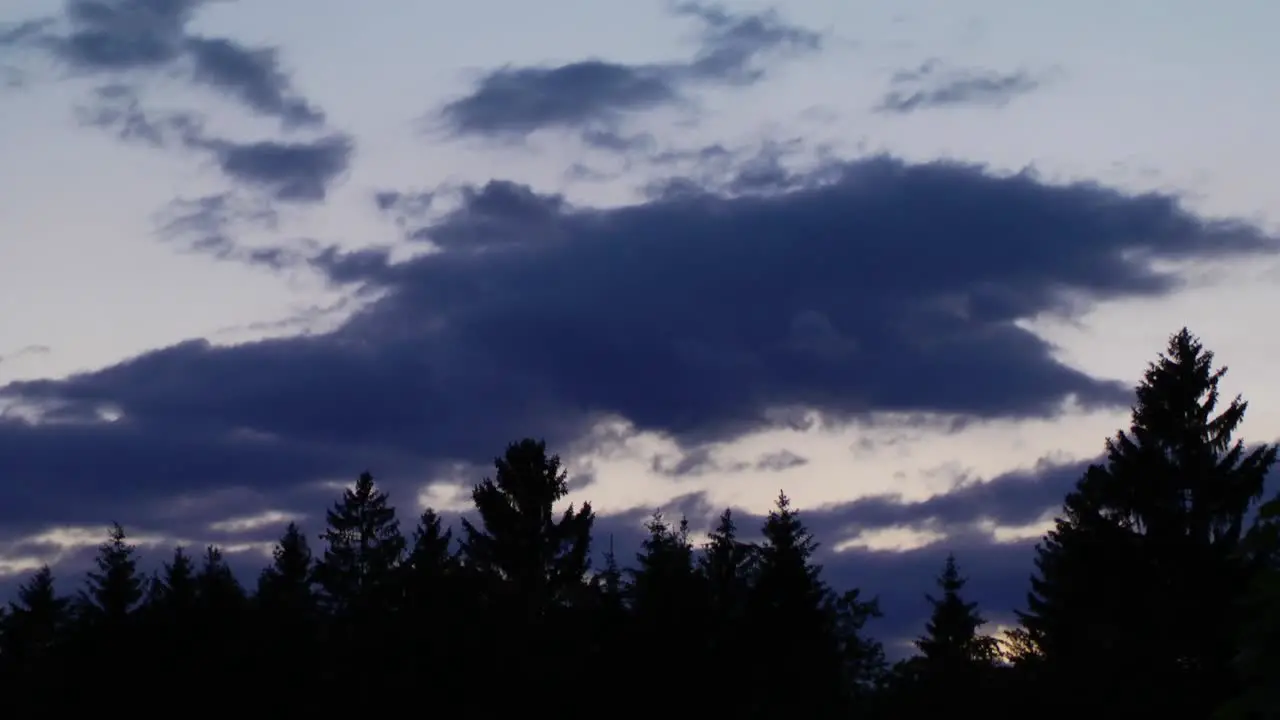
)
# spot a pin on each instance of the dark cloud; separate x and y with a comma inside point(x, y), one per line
point(298, 171)
point(885, 286)
point(252, 75)
point(934, 85)
point(121, 38)
point(594, 94)
point(289, 171)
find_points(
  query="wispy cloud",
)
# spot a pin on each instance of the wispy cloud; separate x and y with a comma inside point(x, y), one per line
point(123, 38)
point(589, 94)
point(935, 85)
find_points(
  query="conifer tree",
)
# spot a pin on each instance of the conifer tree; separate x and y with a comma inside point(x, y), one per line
point(116, 588)
point(288, 631)
point(663, 582)
point(364, 547)
point(668, 600)
point(430, 557)
point(219, 592)
point(952, 643)
point(1136, 587)
point(791, 613)
point(173, 591)
point(33, 623)
point(284, 588)
point(727, 564)
point(537, 561)
point(359, 577)
point(529, 568)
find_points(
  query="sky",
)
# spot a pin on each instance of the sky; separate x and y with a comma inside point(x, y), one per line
point(903, 260)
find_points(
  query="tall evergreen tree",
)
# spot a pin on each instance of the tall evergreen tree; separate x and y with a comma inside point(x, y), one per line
point(173, 591)
point(727, 565)
point(540, 562)
point(791, 613)
point(288, 630)
point(285, 592)
point(430, 559)
point(668, 600)
point(359, 577)
point(364, 547)
point(951, 642)
point(434, 616)
point(530, 568)
point(665, 585)
point(1136, 586)
point(35, 621)
point(116, 588)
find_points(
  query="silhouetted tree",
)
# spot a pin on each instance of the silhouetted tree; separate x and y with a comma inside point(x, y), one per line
point(285, 593)
point(287, 633)
point(116, 588)
point(433, 607)
point(359, 578)
point(1137, 584)
point(951, 641)
point(530, 566)
point(798, 654)
point(174, 589)
point(32, 627)
point(727, 564)
point(956, 662)
point(173, 623)
point(364, 547)
point(537, 560)
point(668, 600)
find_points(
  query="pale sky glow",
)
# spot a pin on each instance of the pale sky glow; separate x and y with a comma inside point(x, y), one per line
point(1141, 96)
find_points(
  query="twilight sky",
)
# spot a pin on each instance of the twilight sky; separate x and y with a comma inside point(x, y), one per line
point(904, 260)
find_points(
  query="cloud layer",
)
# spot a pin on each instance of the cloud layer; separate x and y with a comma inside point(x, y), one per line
point(878, 286)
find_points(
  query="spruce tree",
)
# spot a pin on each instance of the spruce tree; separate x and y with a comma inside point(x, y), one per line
point(219, 593)
point(529, 568)
point(172, 620)
point(1136, 588)
point(727, 565)
point(530, 557)
point(359, 577)
point(285, 592)
point(952, 643)
point(664, 581)
point(34, 623)
point(288, 629)
point(363, 549)
point(668, 600)
point(116, 588)
point(432, 611)
point(430, 558)
point(791, 613)
point(173, 591)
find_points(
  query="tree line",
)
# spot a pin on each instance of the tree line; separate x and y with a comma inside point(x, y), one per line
point(1157, 594)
